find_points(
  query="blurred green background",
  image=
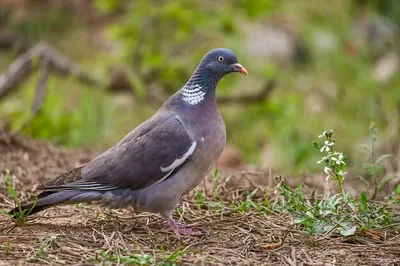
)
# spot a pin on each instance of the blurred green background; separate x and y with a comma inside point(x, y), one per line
point(336, 65)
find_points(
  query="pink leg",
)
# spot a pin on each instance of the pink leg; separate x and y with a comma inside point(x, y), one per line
point(181, 229)
point(178, 224)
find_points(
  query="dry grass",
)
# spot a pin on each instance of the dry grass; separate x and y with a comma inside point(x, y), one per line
point(75, 234)
point(233, 239)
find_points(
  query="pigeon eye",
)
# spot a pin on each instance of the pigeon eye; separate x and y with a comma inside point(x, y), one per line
point(221, 59)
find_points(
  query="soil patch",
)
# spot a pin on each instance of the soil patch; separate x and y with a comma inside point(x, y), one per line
point(87, 234)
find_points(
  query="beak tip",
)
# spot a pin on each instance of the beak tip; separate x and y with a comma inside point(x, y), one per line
point(239, 68)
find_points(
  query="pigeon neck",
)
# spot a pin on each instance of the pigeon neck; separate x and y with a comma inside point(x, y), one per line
point(200, 86)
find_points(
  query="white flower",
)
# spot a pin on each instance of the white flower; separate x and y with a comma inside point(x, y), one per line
point(326, 146)
point(322, 135)
point(277, 188)
point(339, 160)
point(342, 173)
point(324, 158)
point(327, 171)
point(325, 133)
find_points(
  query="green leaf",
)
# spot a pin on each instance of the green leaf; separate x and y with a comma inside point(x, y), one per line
point(372, 131)
point(309, 214)
point(254, 8)
point(397, 190)
point(384, 181)
point(216, 173)
point(174, 256)
point(383, 157)
point(107, 6)
point(365, 147)
point(199, 195)
point(347, 230)
point(315, 144)
point(342, 166)
point(364, 200)
point(299, 220)
point(4, 212)
point(299, 192)
point(252, 193)
point(373, 169)
point(327, 228)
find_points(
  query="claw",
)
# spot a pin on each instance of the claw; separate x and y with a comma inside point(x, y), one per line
point(179, 225)
point(188, 232)
point(181, 229)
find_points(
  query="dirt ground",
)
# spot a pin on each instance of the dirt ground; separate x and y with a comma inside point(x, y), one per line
point(73, 235)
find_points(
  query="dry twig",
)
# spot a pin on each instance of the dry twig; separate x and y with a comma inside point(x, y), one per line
point(23, 67)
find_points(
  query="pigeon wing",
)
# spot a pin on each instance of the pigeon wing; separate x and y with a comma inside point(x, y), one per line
point(137, 161)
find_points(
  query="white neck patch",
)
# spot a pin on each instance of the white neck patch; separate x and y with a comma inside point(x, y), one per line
point(192, 94)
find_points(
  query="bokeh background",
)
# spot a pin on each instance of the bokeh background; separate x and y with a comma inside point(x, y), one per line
point(335, 64)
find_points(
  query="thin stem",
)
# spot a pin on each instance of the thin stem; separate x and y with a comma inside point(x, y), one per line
point(375, 190)
point(340, 184)
point(373, 150)
point(355, 213)
point(374, 181)
point(339, 178)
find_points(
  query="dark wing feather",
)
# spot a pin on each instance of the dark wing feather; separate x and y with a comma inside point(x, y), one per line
point(137, 161)
point(65, 178)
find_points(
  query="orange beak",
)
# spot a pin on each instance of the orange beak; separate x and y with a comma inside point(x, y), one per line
point(239, 68)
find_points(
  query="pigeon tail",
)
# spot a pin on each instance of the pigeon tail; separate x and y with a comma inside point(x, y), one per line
point(49, 199)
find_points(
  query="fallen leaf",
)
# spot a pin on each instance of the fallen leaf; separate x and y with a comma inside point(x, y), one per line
point(269, 246)
point(375, 235)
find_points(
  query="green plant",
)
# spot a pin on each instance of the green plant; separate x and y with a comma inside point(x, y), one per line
point(157, 38)
point(337, 212)
point(372, 215)
point(335, 162)
point(317, 216)
point(203, 202)
point(374, 169)
point(200, 198)
point(261, 205)
point(46, 244)
point(6, 246)
point(19, 217)
point(173, 259)
point(217, 201)
point(179, 210)
point(107, 215)
point(79, 206)
point(128, 258)
point(394, 199)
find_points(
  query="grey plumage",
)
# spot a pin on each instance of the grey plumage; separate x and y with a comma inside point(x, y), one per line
point(160, 160)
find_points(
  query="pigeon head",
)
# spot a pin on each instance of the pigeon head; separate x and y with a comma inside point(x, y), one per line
point(214, 65)
point(220, 62)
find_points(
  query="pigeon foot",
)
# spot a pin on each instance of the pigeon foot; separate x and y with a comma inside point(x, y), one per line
point(180, 229)
point(188, 232)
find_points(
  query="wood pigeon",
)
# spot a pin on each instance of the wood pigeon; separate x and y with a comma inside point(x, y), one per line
point(159, 161)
